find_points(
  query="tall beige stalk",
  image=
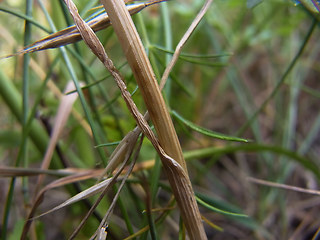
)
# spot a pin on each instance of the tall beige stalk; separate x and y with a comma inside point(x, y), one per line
point(142, 70)
point(174, 165)
point(144, 75)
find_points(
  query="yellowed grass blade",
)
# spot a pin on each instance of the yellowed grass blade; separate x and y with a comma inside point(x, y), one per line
point(117, 155)
point(72, 35)
point(144, 75)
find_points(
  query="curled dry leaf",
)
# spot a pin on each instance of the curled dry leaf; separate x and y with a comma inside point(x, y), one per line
point(71, 34)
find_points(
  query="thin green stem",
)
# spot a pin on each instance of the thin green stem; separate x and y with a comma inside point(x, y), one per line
point(165, 16)
point(25, 96)
point(24, 17)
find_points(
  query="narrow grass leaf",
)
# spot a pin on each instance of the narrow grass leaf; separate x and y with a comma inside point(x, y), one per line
point(188, 55)
point(252, 147)
point(211, 224)
point(214, 209)
point(205, 131)
point(205, 63)
point(80, 196)
point(24, 17)
point(23, 172)
point(311, 6)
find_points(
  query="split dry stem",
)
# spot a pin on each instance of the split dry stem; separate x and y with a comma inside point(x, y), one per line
point(168, 146)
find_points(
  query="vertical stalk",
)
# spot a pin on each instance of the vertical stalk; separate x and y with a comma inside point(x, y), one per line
point(25, 94)
point(148, 85)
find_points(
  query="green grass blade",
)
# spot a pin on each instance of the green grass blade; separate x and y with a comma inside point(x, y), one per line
point(205, 131)
point(252, 147)
point(223, 212)
point(24, 17)
point(188, 55)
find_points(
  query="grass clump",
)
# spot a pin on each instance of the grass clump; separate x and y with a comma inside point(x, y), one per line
point(242, 90)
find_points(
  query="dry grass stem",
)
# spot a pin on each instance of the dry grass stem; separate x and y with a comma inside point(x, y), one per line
point(283, 186)
point(182, 42)
point(117, 155)
point(132, 45)
point(104, 191)
point(104, 222)
point(160, 117)
point(142, 70)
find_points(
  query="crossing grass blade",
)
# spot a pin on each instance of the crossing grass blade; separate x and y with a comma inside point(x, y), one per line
point(72, 35)
point(205, 131)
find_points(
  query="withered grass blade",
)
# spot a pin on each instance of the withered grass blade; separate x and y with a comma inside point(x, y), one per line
point(168, 145)
point(58, 183)
point(105, 221)
point(80, 196)
point(72, 35)
point(131, 43)
point(26, 172)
